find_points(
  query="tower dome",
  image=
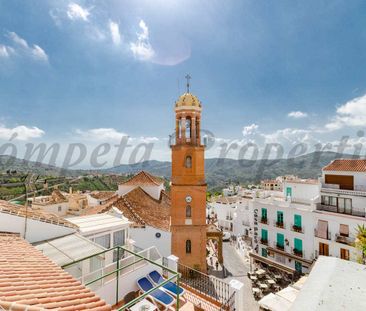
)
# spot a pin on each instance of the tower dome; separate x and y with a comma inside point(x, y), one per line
point(188, 100)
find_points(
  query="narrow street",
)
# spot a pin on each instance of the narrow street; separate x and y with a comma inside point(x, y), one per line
point(235, 268)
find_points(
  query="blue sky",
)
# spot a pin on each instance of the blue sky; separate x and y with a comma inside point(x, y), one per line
point(265, 71)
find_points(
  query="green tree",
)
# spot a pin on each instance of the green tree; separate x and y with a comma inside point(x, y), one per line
point(361, 242)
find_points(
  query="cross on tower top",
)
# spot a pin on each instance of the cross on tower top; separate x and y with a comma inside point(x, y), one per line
point(188, 77)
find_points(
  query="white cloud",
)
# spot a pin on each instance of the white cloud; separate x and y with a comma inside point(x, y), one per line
point(115, 34)
point(142, 48)
point(18, 40)
point(39, 53)
point(101, 134)
point(250, 129)
point(4, 51)
point(22, 132)
point(351, 114)
point(289, 136)
point(297, 114)
point(21, 46)
point(75, 12)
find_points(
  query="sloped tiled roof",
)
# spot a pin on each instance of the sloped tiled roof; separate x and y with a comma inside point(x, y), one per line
point(31, 281)
point(143, 179)
point(349, 165)
point(21, 211)
point(142, 209)
point(102, 195)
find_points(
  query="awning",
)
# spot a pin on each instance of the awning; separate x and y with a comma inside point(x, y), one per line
point(305, 262)
point(274, 303)
point(272, 263)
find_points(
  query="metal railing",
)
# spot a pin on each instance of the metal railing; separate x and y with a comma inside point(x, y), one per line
point(348, 240)
point(204, 284)
point(279, 224)
point(335, 209)
point(299, 229)
point(229, 304)
point(117, 272)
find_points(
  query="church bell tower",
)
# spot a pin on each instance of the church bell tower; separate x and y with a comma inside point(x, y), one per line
point(188, 190)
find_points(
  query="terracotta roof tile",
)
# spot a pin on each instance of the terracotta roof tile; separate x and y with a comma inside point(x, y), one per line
point(30, 281)
point(21, 211)
point(142, 209)
point(143, 179)
point(349, 165)
point(102, 195)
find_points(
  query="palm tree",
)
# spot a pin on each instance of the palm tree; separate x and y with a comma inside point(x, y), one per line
point(361, 242)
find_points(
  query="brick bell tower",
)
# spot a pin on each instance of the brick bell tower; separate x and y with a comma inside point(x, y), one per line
point(188, 190)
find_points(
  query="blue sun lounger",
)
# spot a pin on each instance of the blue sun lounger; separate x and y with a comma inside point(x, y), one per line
point(170, 287)
point(157, 295)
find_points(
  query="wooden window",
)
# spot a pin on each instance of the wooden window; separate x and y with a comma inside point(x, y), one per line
point(188, 246)
point(344, 254)
point(323, 249)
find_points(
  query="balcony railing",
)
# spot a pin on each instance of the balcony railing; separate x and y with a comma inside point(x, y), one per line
point(297, 252)
point(127, 264)
point(264, 241)
point(326, 236)
point(335, 209)
point(333, 188)
point(345, 239)
point(280, 224)
point(296, 228)
point(280, 247)
point(264, 220)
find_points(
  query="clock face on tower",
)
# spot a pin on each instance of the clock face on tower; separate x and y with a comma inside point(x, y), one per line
point(188, 199)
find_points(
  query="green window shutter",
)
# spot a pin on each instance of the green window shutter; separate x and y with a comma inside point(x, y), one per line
point(280, 239)
point(288, 192)
point(297, 220)
point(298, 244)
point(264, 213)
point(279, 216)
point(264, 234)
point(264, 252)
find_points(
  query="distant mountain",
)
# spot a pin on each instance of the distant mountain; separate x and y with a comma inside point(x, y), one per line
point(24, 166)
point(220, 172)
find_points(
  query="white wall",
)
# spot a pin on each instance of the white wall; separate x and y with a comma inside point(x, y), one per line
point(302, 191)
point(334, 221)
point(53, 208)
point(127, 283)
point(145, 238)
point(36, 230)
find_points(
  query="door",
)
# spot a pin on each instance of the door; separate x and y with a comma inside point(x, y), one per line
point(298, 266)
point(344, 254)
point(323, 249)
point(280, 240)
